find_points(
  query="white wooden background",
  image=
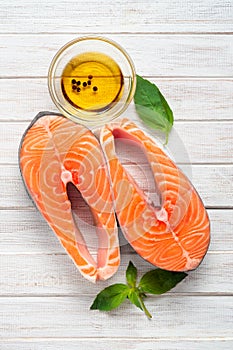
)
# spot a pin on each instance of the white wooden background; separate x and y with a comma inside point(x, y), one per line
point(186, 47)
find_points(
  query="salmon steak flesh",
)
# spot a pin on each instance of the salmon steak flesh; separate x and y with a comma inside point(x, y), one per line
point(174, 236)
point(55, 152)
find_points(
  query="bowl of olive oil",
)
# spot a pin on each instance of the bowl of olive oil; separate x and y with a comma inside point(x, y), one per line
point(92, 80)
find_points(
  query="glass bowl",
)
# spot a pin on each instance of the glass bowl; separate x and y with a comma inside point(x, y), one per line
point(91, 46)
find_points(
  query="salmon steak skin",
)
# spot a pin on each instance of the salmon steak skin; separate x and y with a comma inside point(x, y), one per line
point(174, 236)
point(55, 151)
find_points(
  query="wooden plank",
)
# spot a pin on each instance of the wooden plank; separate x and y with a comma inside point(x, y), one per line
point(213, 141)
point(206, 179)
point(205, 142)
point(156, 55)
point(55, 274)
point(116, 344)
point(26, 232)
point(120, 16)
point(70, 317)
point(53, 299)
point(192, 99)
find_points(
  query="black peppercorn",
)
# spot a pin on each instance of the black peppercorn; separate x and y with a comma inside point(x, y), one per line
point(95, 88)
point(84, 84)
point(89, 82)
point(73, 81)
point(78, 89)
point(74, 87)
point(90, 76)
point(78, 82)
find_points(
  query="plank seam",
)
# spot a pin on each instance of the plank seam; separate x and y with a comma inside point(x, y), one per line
point(150, 297)
point(161, 77)
point(185, 77)
point(28, 120)
point(70, 339)
point(214, 252)
point(122, 33)
point(75, 295)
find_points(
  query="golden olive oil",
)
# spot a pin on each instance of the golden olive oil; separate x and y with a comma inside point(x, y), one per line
point(92, 81)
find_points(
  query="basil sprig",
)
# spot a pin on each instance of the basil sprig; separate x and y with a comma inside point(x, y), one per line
point(152, 107)
point(153, 282)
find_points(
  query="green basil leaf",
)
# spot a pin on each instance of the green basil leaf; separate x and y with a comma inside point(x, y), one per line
point(110, 297)
point(133, 297)
point(131, 274)
point(152, 107)
point(160, 281)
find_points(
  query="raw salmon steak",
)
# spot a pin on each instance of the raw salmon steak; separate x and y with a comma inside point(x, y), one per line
point(54, 152)
point(174, 236)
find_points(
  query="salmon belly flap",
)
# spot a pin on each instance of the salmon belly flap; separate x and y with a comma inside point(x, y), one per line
point(54, 152)
point(173, 237)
